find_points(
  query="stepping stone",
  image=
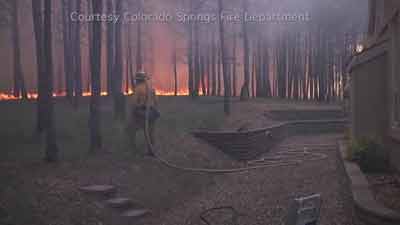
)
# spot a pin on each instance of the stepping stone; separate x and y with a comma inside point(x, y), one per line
point(3, 213)
point(135, 213)
point(99, 189)
point(119, 203)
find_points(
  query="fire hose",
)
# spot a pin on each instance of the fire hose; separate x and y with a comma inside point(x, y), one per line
point(262, 163)
point(253, 165)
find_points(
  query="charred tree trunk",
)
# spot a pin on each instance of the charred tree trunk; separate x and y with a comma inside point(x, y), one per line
point(175, 79)
point(175, 66)
point(60, 84)
point(227, 85)
point(219, 62)
point(110, 50)
point(19, 81)
point(127, 72)
point(321, 66)
point(245, 91)
point(127, 59)
point(306, 68)
point(77, 57)
point(234, 68)
point(50, 131)
point(119, 97)
point(213, 66)
point(202, 75)
point(68, 57)
point(90, 40)
point(139, 50)
point(94, 121)
point(262, 69)
point(296, 68)
point(208, 70)
point(132, 74)
point(266, 80)
point(190, 60)
point(37, 8)
point(190, 55)
point(310, 65)
point(130, 60)
point(290, 62)
point(51, 144)
point(253, 76)
point(197, 72)
point(258, 72)
point(281, 64)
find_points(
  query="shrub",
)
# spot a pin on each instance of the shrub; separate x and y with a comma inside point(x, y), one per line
point(369, 155)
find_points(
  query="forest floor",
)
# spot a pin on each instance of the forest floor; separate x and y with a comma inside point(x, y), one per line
point(35, 193)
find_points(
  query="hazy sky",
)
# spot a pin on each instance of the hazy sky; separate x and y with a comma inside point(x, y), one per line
point(331, 12)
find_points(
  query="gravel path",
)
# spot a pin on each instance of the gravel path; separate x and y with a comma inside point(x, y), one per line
point(49, 194)
point(263, 196)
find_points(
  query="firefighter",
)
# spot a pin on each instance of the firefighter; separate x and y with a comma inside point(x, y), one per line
point(144, 96)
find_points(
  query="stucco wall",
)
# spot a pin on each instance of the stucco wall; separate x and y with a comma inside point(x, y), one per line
point(379, 15)
point(370, 97)
point(390, 7)
point(375, 89)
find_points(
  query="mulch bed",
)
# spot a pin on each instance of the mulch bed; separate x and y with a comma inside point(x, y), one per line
point(386, 189)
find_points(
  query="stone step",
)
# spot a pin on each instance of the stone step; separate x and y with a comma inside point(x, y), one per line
point(119, 203)
point(135, 213)
point(99, 189)
point(3, 213)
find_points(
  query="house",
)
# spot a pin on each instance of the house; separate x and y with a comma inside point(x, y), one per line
point(375, 79)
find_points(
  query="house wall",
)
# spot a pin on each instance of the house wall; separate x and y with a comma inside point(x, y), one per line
point(390, 6)
point(379, 15)
point(394, 37)
point(394, 140)
point(380, 12)
point(370, 97)
point(375, 91)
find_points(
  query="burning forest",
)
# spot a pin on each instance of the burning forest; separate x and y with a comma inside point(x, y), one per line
point(194, 111)
point(292, 50)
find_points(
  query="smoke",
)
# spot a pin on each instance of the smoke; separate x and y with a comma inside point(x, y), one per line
point(161, 39)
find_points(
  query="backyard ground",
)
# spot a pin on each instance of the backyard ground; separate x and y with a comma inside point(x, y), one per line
point(35, 193)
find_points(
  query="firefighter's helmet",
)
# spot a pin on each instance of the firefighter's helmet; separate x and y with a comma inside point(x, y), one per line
point(141, 76)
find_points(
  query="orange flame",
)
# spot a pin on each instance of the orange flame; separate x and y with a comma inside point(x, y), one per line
point(34, 96)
